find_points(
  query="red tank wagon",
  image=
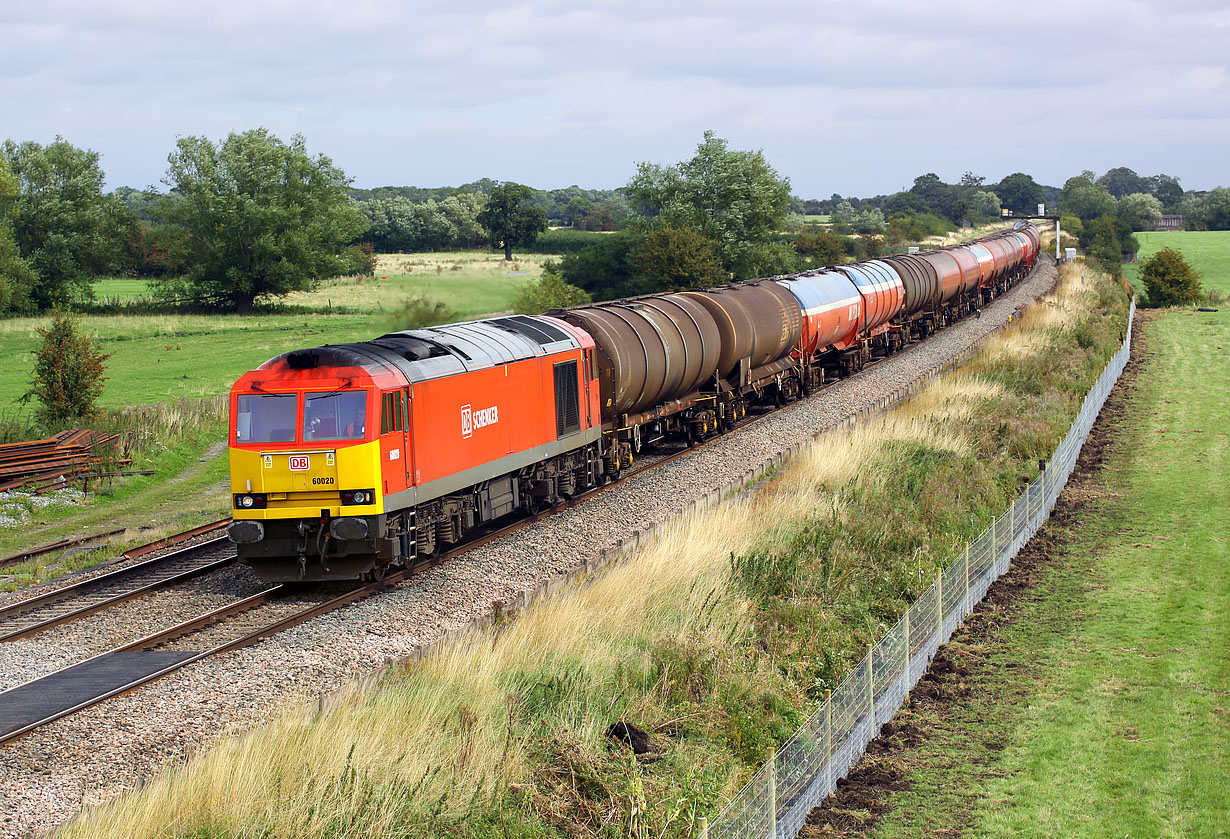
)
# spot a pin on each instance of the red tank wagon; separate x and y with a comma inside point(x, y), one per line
point(346, 459)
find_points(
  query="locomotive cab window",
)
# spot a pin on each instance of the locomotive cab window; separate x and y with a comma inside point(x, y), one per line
point(268, 418)
point(334, 416)
point(392, 412)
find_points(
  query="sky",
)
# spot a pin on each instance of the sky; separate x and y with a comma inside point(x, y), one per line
point(856, 98)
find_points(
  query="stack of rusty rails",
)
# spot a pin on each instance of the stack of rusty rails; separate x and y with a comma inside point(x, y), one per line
point(52, 463)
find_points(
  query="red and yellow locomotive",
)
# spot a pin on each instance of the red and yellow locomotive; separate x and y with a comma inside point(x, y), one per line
point(349, 458)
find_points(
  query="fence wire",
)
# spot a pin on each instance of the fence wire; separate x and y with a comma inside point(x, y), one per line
point(777, 799)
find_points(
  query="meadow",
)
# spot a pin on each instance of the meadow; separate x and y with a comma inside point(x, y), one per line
point(1099, 709)
point(1207, 251)
point(165, 358)
point(717, 639)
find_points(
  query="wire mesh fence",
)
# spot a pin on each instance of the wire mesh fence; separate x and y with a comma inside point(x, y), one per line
point(777, 799)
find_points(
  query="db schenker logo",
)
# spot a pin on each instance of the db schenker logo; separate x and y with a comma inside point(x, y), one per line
point(471, 420)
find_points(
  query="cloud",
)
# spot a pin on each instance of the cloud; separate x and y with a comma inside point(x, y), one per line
point(856, 98)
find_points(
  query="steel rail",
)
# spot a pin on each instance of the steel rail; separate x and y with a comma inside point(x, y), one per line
point(176, 538)
point(63, 544)
point(203, 621)
point(83, 587)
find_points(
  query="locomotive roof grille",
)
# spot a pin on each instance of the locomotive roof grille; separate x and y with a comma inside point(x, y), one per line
point(540, 332)
point(411, 347)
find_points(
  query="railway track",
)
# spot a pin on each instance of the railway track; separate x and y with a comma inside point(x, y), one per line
point(87, 597)
point(230, 627)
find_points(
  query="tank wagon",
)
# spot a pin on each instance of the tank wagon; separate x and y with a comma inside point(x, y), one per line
point(349, 459)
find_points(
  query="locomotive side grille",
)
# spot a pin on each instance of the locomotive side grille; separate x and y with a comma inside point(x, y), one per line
point(567, 399)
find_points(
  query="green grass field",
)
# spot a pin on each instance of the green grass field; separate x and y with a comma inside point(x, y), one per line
point(1105, 711)
point(1207, 251)
point(163, 358)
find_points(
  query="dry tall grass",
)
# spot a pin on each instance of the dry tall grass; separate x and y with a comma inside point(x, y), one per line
point(442, 732)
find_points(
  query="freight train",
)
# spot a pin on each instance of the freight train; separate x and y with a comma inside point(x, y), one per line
point(347, 460)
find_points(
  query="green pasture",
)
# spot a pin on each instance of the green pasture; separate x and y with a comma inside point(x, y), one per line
point(163, 358)
point(1208, 252)
point(120, 289)
point(470, 283)
point(1105, 710)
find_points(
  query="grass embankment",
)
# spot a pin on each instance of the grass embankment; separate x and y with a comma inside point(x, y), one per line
point(1103, 708)
point(717, 640)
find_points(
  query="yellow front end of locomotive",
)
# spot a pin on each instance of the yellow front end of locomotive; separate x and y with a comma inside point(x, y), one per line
point(306, 483)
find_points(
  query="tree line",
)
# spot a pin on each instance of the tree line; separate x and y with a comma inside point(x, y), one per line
point(253, 217)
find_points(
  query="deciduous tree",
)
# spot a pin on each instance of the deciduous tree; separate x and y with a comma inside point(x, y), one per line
point(509, 220)
point(1166, 189)
point(1083, 198)
point(1140, 210)
point(733, 198)
point(1019, 193)
point(263, 217)
point(1123, 181)
point(66, 230)
point(16, 276)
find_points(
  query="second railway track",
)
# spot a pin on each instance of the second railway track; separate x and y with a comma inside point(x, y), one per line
point(77, 600)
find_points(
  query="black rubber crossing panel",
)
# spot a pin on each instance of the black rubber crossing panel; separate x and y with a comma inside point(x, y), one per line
point(64, 689)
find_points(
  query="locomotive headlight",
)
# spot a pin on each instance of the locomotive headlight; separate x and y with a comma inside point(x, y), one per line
point(249, 500)
point(246, 501)
point(359, 496)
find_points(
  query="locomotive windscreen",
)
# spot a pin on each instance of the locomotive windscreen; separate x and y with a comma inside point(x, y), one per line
point(267, 418)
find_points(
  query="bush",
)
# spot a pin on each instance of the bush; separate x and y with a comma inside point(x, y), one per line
point(418, 312)
point(606, 269)
point(548, 292)
point(1169, 280)
point(68, 374)
point(914, 227)
point(676, 259)
point(825, 247)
